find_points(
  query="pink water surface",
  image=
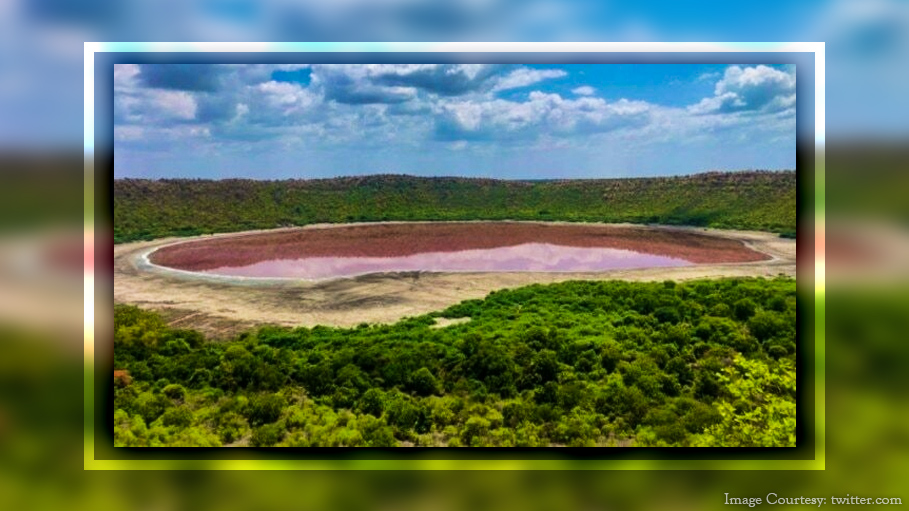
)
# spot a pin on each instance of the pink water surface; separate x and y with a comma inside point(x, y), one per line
point(533, 257)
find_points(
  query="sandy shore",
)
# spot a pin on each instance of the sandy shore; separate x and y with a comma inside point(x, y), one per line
point(222, 306)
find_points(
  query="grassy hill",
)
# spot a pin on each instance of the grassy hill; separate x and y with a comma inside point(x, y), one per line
point(148, 209)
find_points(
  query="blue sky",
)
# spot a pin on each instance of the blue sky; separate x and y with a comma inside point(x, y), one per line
point(500, 121)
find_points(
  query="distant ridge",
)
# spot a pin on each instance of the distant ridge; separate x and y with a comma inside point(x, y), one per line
point(147, 209)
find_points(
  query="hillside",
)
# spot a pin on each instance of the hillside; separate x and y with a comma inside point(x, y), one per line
point(148, 209)
point(582, 364)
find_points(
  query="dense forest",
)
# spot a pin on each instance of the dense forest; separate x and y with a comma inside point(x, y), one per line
point(145, 209)
point(700, 363)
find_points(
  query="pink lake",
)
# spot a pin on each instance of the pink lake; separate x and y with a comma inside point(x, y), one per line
point(530, 257)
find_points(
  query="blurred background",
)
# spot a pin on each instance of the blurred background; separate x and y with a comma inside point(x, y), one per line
point(47, 236)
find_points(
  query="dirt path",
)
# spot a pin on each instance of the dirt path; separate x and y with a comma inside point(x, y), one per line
point(222, 307)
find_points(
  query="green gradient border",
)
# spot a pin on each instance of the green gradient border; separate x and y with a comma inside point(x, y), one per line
point(90, 463)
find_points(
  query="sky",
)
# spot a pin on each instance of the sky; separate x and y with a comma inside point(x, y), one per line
point(280, 121)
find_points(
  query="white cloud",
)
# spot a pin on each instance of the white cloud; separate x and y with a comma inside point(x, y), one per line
point(758, 88)
point(739, 79)
point(125, 74)
point(584, 90)
point(125, 133)
point(153, 106)
point(156, 135)
point(242, 110)
point(424, 107)
point(542, 114)
point(525, 76)
point(175, 104)
point(288, 97)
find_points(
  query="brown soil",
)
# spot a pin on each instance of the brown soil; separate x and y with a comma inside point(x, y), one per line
point(399, 239)
point(225, 307)
point(446, 322)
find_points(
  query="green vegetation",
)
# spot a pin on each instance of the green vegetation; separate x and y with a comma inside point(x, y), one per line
point(702, 363)
point(865, 182)
point(146, 209)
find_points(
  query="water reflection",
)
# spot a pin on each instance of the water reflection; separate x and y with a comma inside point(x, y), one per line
point(536, 257)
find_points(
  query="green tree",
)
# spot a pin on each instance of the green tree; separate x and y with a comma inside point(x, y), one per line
point(372, 402)
point(265, 408)
point(423, 382)
point(769, 421)
point(179, 417)
point(266, 435)
point(744, 309)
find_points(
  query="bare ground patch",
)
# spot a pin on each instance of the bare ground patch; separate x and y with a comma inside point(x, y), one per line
point(444, 322)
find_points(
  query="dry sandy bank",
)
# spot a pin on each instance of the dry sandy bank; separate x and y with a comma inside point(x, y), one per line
point(222, 306)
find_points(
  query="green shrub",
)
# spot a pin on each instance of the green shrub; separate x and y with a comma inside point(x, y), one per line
point(423, 382)
point(175, 392)
point(179, 417)
point(264, 408)
point(266, 436)
point(578, 363)
point(372, 402)
point(744, 309)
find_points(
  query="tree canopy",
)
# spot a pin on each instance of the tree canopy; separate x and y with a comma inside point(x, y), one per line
point(700, 363)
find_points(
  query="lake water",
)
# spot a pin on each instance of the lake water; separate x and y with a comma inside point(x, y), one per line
point(531, 257)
